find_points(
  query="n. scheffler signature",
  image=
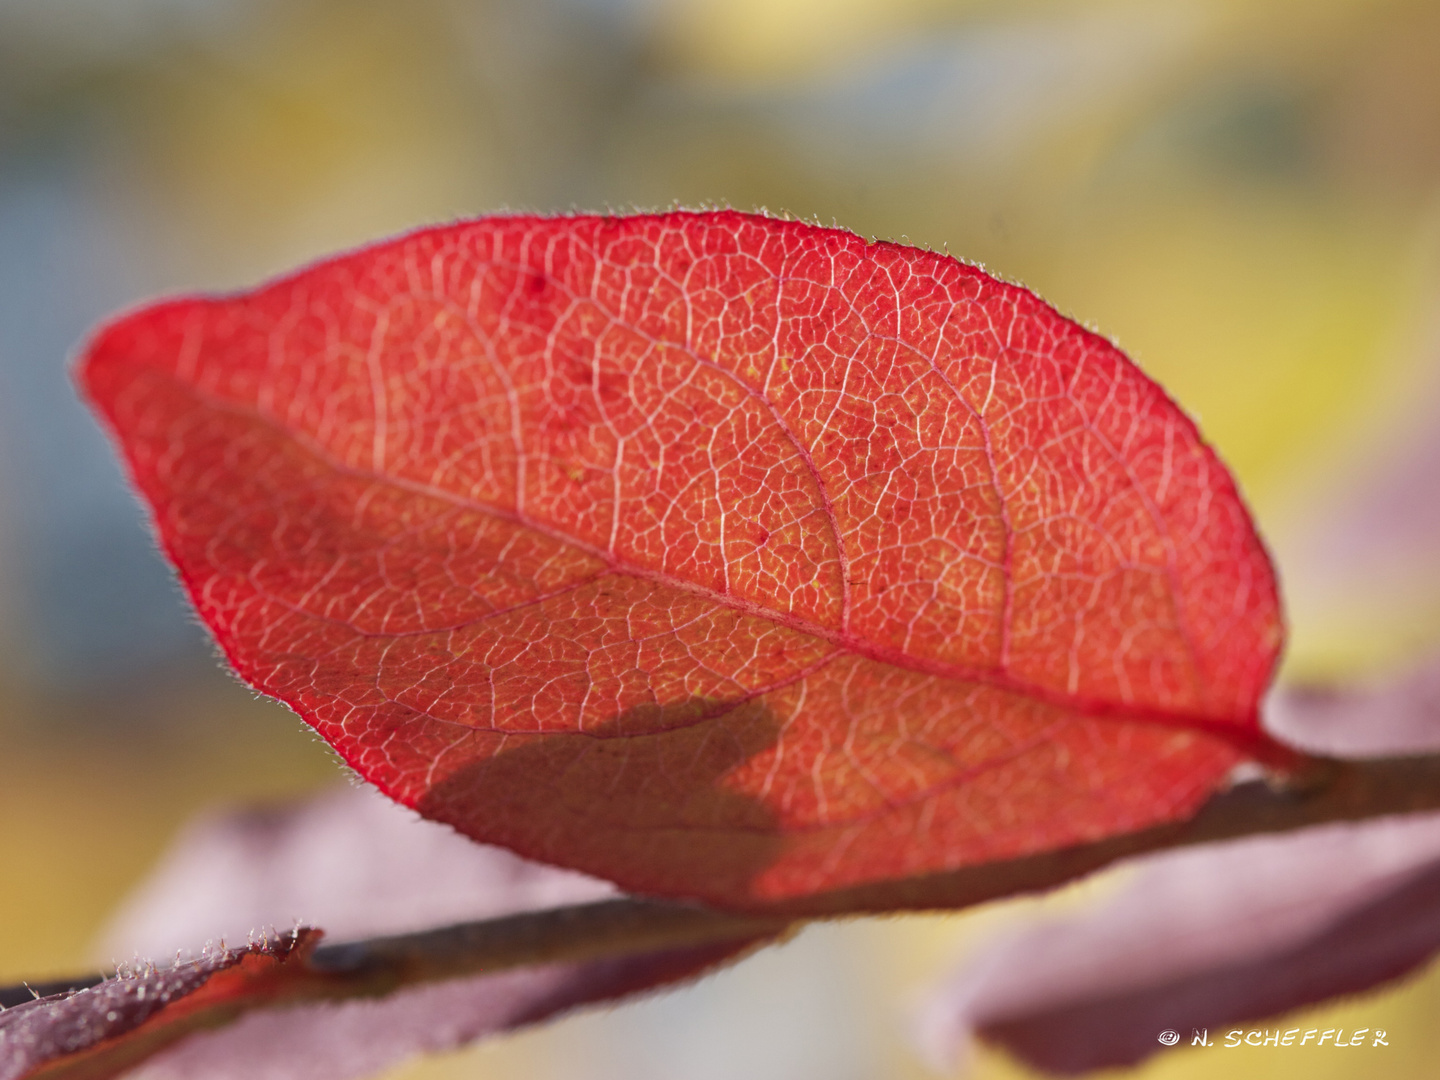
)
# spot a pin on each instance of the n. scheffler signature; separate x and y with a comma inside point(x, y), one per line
point(1336, 1037)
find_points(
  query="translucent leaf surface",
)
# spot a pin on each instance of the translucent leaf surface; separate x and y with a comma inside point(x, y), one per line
point(720, 556)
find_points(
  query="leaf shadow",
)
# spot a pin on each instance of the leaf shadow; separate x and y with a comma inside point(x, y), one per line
point(641, 800)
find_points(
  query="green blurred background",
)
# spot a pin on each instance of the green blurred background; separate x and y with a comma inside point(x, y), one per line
point(1245, 194)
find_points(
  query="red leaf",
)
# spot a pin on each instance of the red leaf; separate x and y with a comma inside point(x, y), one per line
point(357, 1038)
point(288, 1010)
point(98, 1032)
point(720, 556)
point(361, 866)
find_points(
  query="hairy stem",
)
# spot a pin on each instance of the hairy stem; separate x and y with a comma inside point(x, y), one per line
point(559, 935)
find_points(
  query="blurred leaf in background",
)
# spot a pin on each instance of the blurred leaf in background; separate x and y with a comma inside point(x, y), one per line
point(1245, 195)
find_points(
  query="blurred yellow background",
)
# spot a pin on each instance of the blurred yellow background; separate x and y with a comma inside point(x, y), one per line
point(1244, 193)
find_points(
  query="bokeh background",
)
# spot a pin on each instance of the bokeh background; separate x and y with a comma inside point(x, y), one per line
point(1244, 193)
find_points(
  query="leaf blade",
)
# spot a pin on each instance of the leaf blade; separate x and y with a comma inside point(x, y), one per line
point(439, 942)
point(791, 548)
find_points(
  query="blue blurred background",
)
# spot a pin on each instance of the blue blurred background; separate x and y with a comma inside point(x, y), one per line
point(1245, 194)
